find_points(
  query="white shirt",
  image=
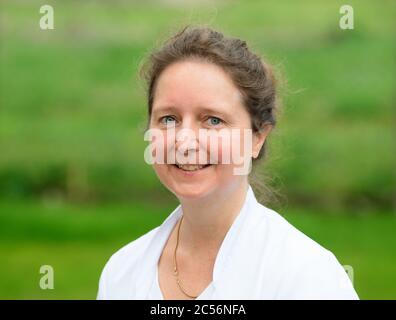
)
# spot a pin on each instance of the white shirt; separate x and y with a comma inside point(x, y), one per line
point(261, 257)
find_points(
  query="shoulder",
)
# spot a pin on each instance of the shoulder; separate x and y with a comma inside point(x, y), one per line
point(129, 253)
point(277, 231)
point(305, 269)
point(122, 263)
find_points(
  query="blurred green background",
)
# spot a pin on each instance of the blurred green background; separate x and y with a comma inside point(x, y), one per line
point(74, 186)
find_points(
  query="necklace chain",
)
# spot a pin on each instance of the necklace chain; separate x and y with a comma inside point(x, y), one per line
point(175, 270)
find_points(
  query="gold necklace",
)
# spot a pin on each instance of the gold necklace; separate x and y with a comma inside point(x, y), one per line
point(175, 271)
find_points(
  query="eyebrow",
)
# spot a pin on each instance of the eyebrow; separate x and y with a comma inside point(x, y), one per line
point(172, 108)
point(163, 109)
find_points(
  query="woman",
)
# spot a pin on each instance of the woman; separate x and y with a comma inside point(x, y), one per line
point(220, 242)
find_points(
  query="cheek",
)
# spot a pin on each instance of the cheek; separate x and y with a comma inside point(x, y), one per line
point(159, 169)
point(163, 147)
point(162, 172)
point(229, 153)
point(245, 142)
point(233, 149)
point(224, 151)
point(219, 148)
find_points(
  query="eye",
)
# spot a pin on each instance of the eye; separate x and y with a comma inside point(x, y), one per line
point(167, 120)
point(214, 121)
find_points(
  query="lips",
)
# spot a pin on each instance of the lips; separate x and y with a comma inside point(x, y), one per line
point(191, 167)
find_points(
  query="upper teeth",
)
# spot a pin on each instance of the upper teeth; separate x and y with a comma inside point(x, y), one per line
point(190, 167)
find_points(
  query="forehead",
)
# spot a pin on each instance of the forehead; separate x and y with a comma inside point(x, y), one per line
point(195, 84)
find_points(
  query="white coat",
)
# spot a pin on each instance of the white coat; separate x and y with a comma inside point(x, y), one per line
point(261, 257)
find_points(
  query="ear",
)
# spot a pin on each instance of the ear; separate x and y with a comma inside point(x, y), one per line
point(259, 139)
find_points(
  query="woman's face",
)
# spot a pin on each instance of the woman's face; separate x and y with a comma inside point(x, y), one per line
point(197, 98)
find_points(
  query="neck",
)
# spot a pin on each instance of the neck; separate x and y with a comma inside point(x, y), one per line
point(207, 221)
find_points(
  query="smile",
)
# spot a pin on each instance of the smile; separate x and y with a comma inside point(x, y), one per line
point(191, 167)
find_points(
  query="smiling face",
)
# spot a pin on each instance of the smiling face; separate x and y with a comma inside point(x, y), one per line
point(194, 96)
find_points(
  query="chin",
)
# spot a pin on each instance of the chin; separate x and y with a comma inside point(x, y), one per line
point(192, 192)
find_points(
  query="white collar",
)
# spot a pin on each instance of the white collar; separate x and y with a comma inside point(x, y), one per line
point(147, 270)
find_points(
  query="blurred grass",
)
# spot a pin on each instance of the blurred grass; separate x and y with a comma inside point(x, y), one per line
point(74, 186)
point(77, 241)
point(73, 108)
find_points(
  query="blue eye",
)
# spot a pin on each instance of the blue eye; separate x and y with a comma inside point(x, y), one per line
point(165, 119)
point(214, 121)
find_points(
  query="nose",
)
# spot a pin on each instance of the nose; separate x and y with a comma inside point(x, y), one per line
point(187, 138)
